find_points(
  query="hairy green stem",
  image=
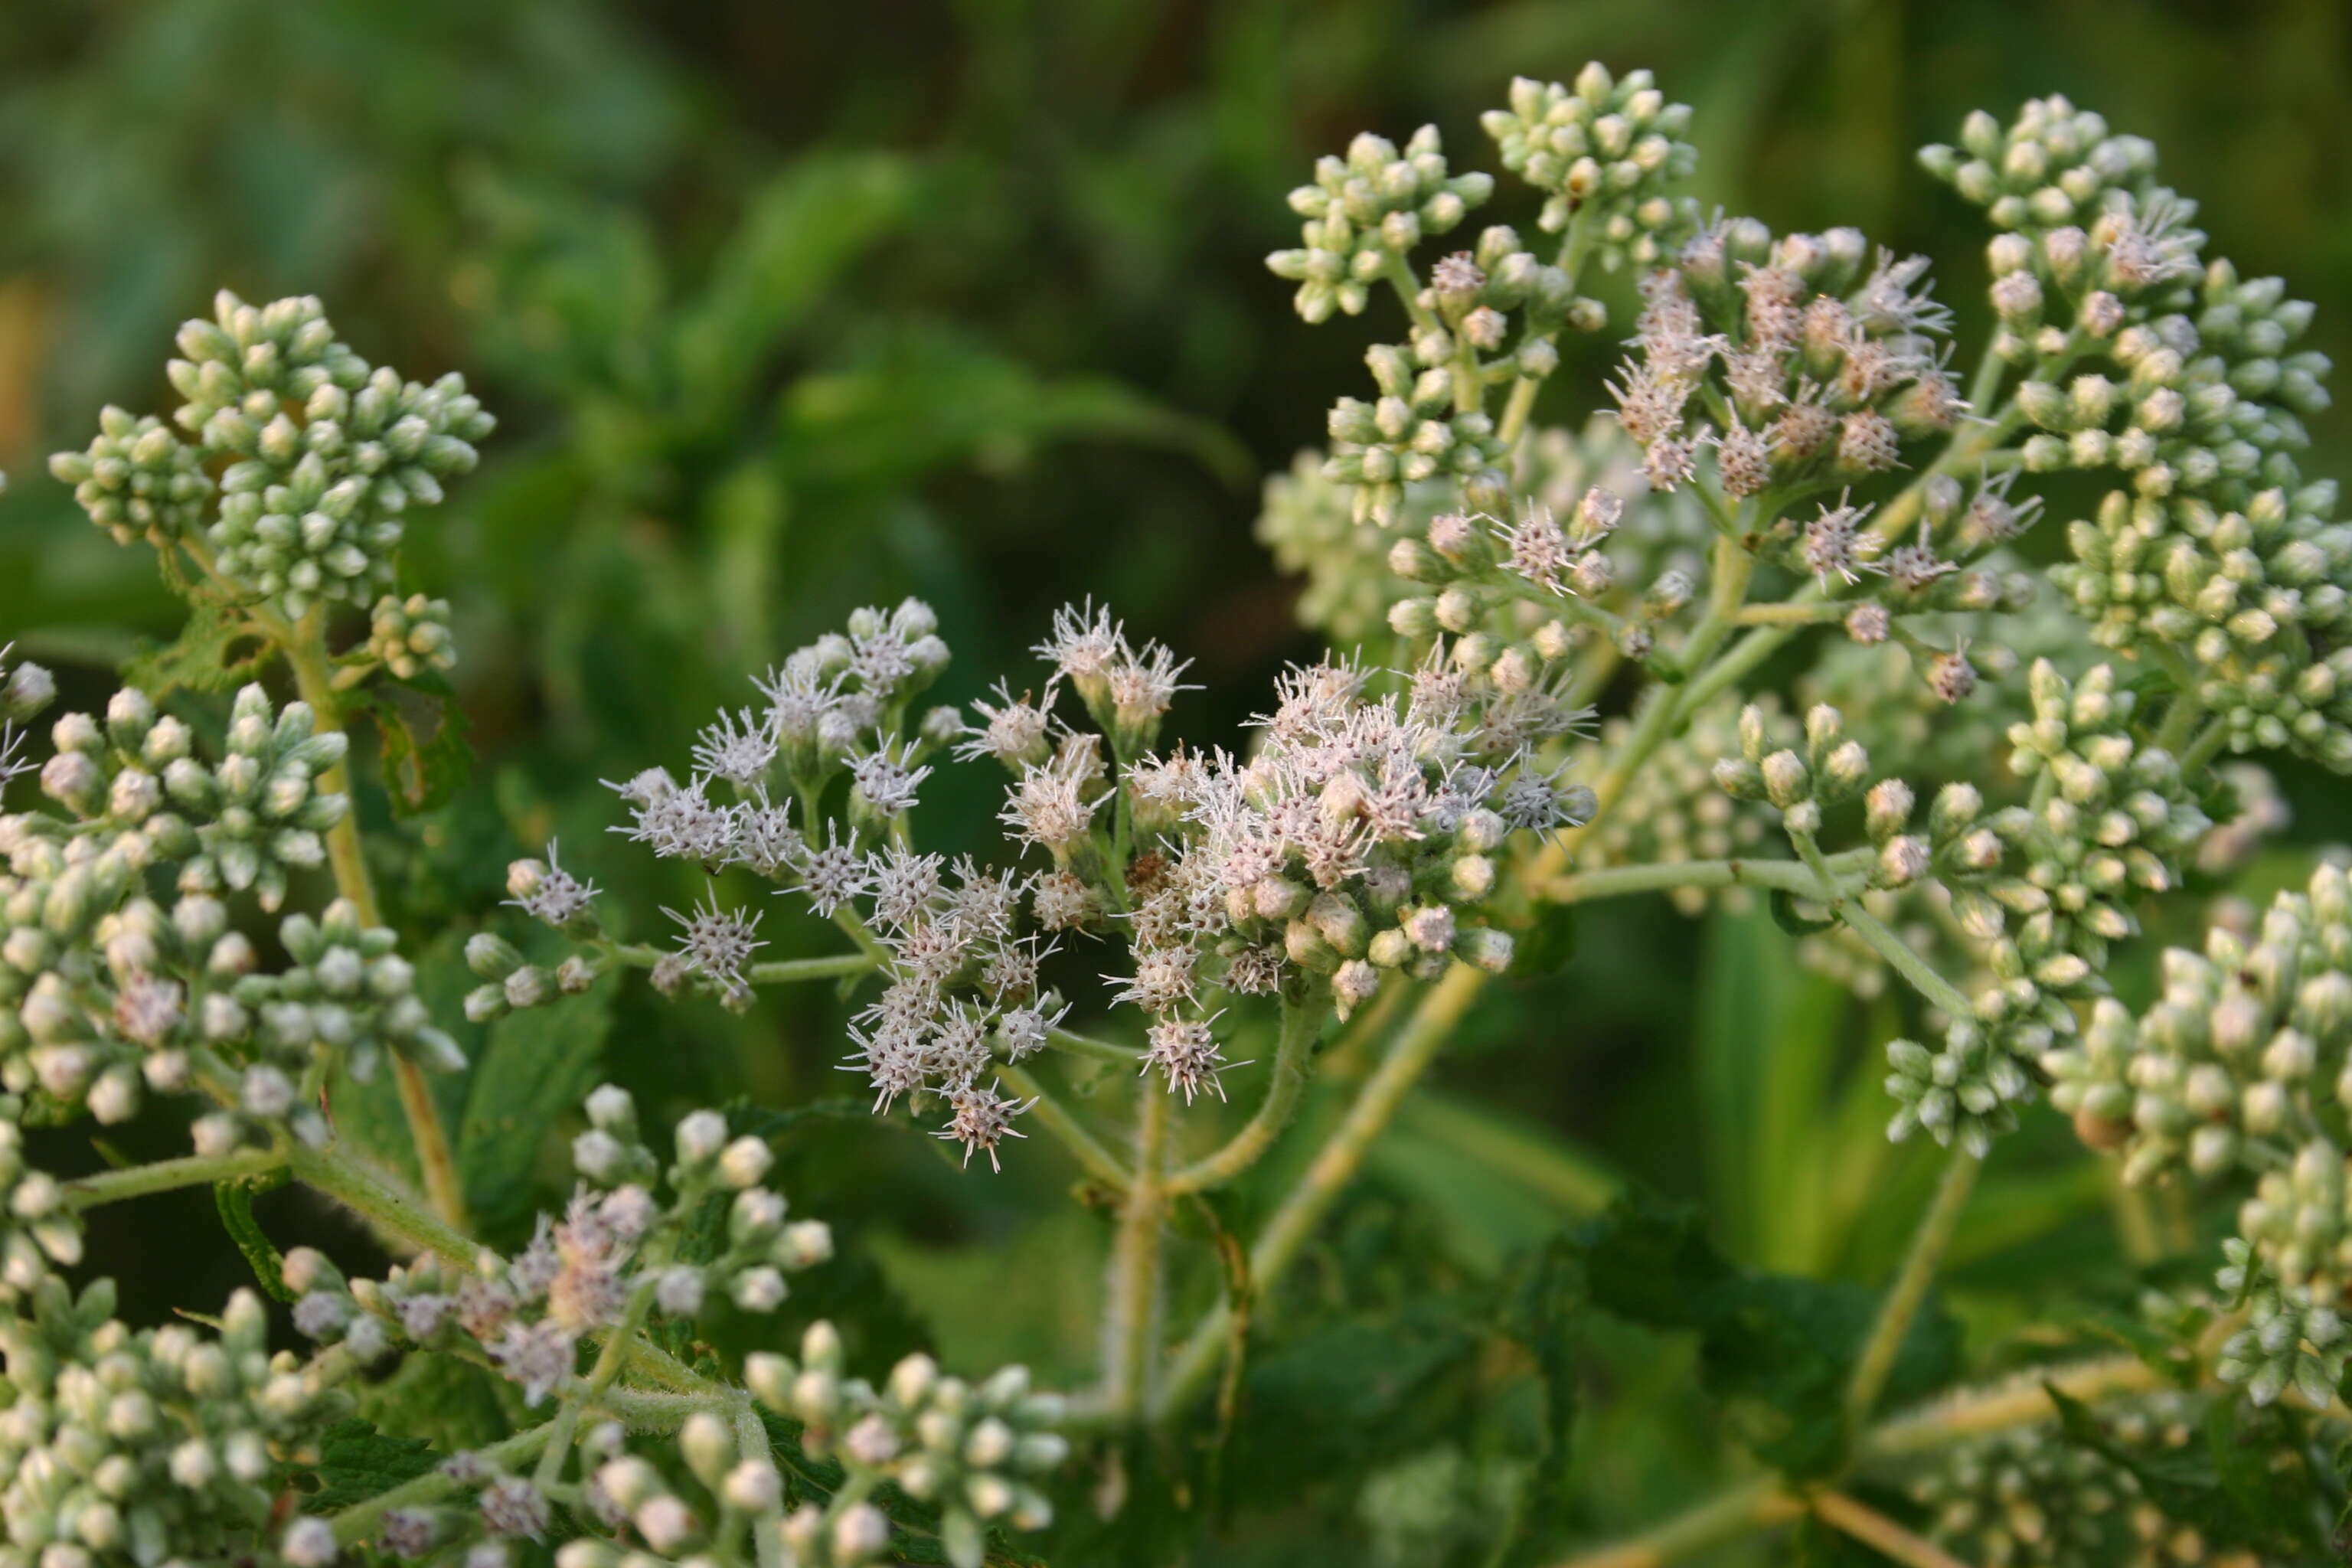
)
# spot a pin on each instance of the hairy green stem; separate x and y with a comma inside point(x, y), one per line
point(777, 972)
point(1302, 1022)
point(1058, 1120)
point(1913, 969)
point(2019, 1402)
point(1877, 1362)
point(391, 1212)
point(1079, 1044)
point(1334, 1166)
point(600, 1378)
point(168, 1175)
point(1131, 1315)
point(1788, 876)
point(305, 646)
point(1879, 1533)
point(1749, 1506)
point(2206, 746)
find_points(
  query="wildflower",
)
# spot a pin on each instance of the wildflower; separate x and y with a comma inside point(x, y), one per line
point(546, 891)
point(981, 1119)
point(717, 943)
point(737, 748)
point(1186, 1052)
point(886, 780)
point(1833, 540)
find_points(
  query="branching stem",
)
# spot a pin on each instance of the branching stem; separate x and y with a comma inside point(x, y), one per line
point(305, 646)
point(1877, 1362)
point(1302, 1021)
point(168, 1175)
point(1879, 1533)
point(1131, 1335)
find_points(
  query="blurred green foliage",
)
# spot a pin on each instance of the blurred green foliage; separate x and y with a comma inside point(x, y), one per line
point(790, 307)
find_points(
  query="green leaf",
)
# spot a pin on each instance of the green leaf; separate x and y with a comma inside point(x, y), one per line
point(2227, 1485)
point(1776, 1349)
point(1550, 1293)
point(921, 394)
point(797, 235)
point(235, 1201)
point(1351, 1395)
point(1547, 943)
point(426, 757)
point(535, 1067)
point(203, 658)
point(356, 1462)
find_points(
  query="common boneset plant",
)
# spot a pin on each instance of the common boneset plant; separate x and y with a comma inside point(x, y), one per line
point(1793, 480)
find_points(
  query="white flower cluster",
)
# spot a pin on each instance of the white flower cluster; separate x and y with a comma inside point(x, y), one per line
point(1824, 368)
point(319, 457)
point(105, 992)
point(838, 705)
point(124, 1448)
point(1359, 837)
point(618, 1252)
point(969, 1450)
point(1356, 575)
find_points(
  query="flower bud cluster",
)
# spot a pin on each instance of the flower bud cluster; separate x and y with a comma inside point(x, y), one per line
point(139, 796)
point(122, 1448)
point(320, 456)
point(512, 982)
point(968, 1449)
point(105, 992)
point(1366, 212)
point(39, 1230)
point(714, 1502)
point(2030, 1495)
point(2182, 377)
point(2043, 888)
point(2294, 1335)
point(1673, 809)
point(2111, 820)
point(1415, 431)
point(137, 481)
point(2245, 1061)
point(618, 1253)
point(2256, 598)
point(2048, 168)
point(411, 635)
point(1831, 769)
point(1605, 150)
